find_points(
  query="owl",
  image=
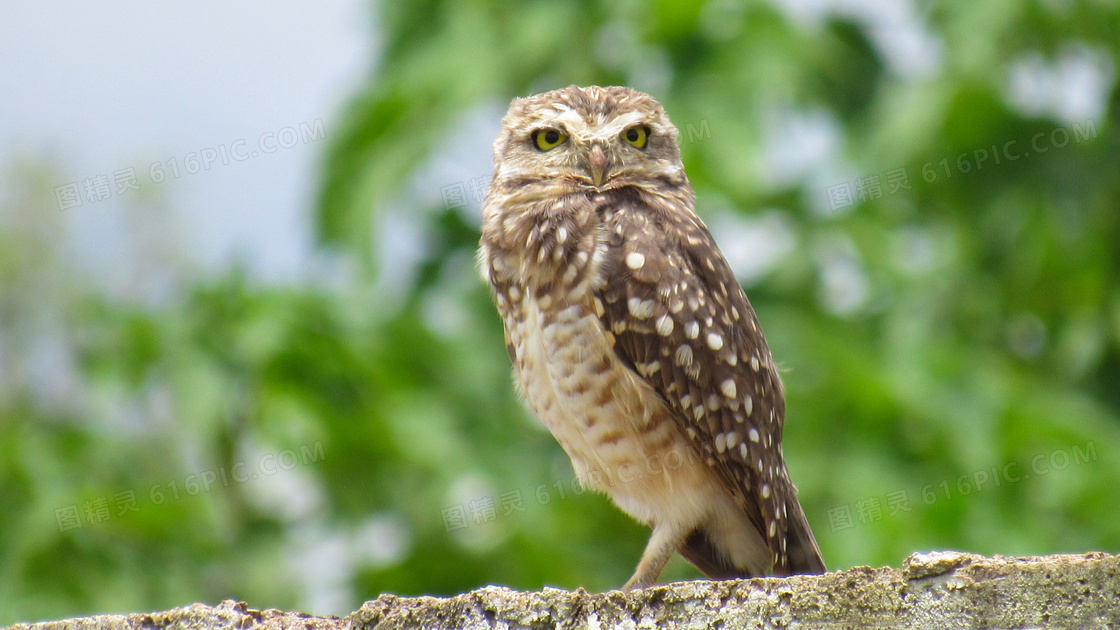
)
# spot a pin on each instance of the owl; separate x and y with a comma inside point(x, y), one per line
point(630, 338)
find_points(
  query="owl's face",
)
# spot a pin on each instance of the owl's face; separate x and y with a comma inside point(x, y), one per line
point(591, 138)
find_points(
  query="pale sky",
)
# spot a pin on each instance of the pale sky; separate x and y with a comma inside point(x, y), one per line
point(97, 88)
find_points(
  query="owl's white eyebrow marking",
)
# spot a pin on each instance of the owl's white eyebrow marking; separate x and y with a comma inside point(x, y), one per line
point(611, 129)
point(572, 118)
point(618, 123)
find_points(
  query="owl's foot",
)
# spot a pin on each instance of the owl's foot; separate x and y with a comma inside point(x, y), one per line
point(662, 544)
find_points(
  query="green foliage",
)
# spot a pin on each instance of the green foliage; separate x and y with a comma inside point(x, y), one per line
point(956, 342)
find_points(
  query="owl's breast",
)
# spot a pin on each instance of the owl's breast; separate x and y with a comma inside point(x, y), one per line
point(618, 432)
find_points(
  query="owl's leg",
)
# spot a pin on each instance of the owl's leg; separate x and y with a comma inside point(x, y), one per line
point(662, 544)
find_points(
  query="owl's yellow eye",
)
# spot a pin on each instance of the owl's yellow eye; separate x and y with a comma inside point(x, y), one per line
point(546, 139)
point(637, 136)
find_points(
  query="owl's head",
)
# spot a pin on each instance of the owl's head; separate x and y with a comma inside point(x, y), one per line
point(587, 138)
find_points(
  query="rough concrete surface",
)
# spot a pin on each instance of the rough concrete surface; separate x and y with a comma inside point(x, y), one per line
point(939, 590)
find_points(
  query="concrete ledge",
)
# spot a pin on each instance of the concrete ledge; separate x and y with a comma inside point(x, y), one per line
point(935, 591)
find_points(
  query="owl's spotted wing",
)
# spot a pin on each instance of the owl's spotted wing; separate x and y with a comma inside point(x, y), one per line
point(684, 323)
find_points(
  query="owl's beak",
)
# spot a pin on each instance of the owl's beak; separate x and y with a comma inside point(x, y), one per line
point(598, 165)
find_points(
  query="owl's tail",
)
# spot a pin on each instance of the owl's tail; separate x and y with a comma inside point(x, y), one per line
point(801, 549)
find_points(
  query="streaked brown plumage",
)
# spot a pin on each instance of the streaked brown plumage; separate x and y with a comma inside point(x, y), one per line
point(631, 338)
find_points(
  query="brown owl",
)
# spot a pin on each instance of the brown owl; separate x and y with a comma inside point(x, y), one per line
point(630, 337)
